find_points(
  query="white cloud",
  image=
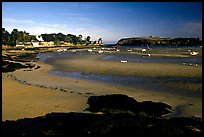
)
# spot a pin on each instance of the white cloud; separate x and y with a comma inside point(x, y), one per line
point(11, 20)
point(85, 29)
point(31, 26)
point(193, 29)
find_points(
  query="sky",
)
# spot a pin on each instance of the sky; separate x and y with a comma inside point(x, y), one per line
point(110, 21)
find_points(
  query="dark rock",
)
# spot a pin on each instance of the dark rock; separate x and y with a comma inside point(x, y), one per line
point(118, 102)
point(83, 124)
point(110, 124)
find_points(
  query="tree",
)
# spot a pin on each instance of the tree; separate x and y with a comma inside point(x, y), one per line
point(80, 37)
point(88, 38)
point(60, 36)
point(14, 39)
point(28, 37)
point(5, 36)
point(100, 41)
point(75, 40)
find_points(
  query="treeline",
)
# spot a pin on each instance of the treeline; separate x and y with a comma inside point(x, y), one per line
point(185, 41)
point(16, 37)
point(22, 37)
point(70, 38)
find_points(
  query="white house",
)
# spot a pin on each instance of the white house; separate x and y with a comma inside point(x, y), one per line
point(37, 43)
point(39, 38)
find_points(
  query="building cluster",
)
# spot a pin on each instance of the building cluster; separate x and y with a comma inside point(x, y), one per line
point(41, 43)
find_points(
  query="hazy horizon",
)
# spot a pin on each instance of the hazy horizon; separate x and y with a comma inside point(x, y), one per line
point(109, 20)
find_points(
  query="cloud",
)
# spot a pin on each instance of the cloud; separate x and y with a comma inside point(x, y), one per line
point(31, 26)
point(85, 29)
point(11, 20)
point(193, 29)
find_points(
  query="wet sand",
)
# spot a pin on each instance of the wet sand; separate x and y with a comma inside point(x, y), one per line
point(27, 101)
point(34, 93)
point(93, 64)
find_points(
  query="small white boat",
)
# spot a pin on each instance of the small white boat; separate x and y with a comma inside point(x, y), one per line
point(143, 50)
point(73, 50)
point(100, 51)
point(146, 55)
point(90, 50)
point(117, 50)
point(59, 50)
point(129, 50)
point(123, 61)
point(64, 49)
point(193, 53)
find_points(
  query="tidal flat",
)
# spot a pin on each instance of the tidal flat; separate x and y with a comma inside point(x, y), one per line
point(72, 77)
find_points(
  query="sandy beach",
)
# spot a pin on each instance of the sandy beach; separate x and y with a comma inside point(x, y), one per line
point(35, 93)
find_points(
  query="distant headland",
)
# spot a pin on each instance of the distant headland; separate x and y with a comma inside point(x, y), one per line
point(155, 40)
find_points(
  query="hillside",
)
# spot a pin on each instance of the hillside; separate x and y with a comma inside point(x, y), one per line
point(138, 41)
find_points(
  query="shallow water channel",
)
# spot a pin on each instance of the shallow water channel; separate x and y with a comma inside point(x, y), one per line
point(146, 83)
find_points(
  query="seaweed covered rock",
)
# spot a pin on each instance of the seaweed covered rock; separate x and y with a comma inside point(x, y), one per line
point(14, 62)
point(111, 124)
point(83, 124)
point(111, 102)
point(118, 103)
point(155, 108)
point(11, 66)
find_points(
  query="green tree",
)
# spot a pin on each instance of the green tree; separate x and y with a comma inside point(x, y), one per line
point(100, 41)
point(60, 36)
point(75, 40)
point(14, 39)
point(5, 36)
point(80, 37)
point(57, 42)
point(28, 37)
point(88, 38)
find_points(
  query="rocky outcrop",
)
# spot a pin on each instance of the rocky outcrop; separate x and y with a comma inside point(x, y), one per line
point(118, 103)
point(121, 120)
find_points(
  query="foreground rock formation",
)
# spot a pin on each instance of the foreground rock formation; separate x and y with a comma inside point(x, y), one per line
point(120, 115)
